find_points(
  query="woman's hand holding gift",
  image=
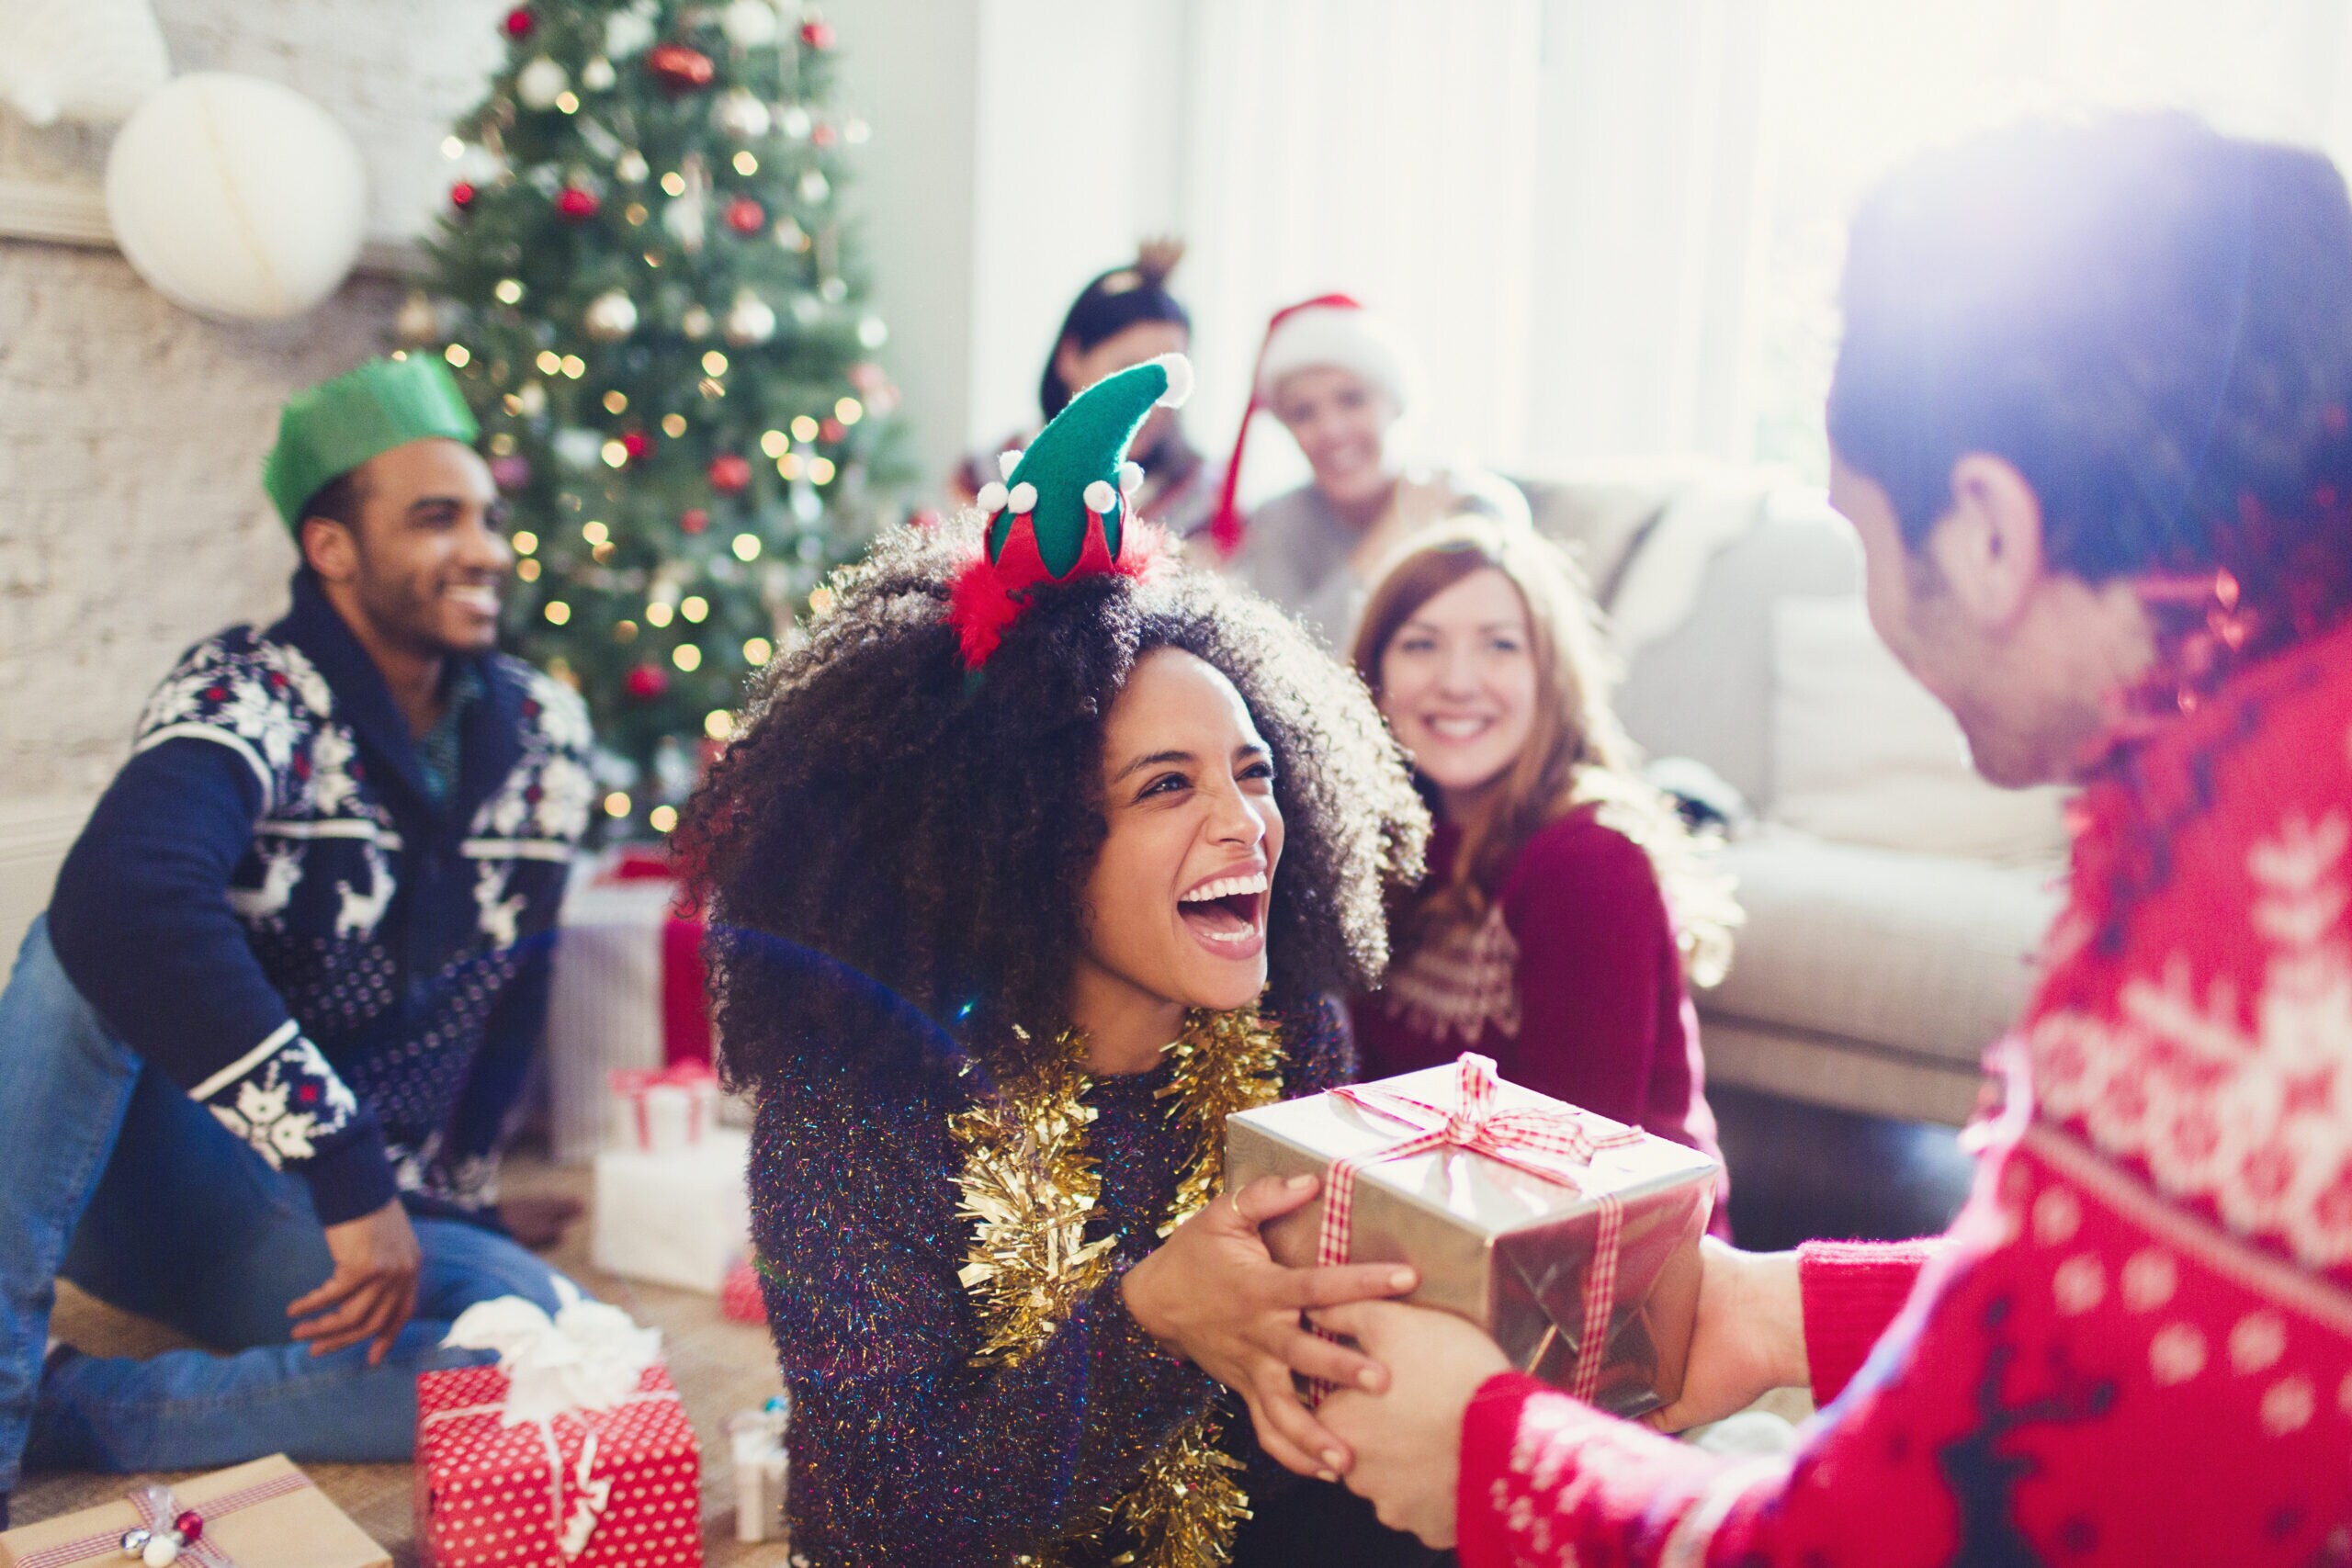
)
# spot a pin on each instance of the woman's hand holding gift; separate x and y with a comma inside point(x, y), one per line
point(1214, 1293)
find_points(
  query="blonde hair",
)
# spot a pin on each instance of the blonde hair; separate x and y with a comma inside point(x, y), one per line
point(1576, 752)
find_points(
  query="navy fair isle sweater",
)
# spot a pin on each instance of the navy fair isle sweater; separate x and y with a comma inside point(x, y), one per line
point(269, 906)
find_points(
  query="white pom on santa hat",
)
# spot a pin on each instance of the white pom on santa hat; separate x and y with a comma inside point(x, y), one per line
point(1008, 461)
point(1344, 337)
point(1024, 498)
point(1180, 379)
point(1130, 477)
point(1101, 498)
point(992, 497)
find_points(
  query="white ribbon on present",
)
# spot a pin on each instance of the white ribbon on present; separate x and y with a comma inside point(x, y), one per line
point(587, 1357)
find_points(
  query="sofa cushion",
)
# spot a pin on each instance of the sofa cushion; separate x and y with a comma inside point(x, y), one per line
point(1916, 954)
point(1863, 754)
point(1704, 689)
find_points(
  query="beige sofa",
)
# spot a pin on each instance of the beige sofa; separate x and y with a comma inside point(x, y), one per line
point(1870, 977)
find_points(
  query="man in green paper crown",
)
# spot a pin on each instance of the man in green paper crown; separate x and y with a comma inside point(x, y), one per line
point(259, 1055)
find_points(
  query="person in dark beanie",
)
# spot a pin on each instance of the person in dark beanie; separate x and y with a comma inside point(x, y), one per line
point(1125, 316)
point(261, 1052)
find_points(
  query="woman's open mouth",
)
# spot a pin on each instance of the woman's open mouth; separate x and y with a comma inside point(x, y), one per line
point(1226, 914)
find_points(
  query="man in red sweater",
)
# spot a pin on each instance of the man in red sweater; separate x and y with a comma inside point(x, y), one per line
point(2090, 421)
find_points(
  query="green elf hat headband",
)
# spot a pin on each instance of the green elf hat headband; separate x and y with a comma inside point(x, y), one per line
point(333, 427)
point(1061, 511)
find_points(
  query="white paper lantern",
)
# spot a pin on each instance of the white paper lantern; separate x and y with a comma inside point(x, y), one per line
point(237, 198)
point(88, 61)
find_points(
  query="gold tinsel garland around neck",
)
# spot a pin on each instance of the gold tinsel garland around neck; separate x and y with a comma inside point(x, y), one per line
point(1029, 1187)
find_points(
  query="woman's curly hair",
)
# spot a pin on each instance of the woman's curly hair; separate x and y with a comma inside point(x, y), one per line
point(892, 842)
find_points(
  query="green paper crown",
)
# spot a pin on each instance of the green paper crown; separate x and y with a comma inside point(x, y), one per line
point(333, 427)
point(1083, 446)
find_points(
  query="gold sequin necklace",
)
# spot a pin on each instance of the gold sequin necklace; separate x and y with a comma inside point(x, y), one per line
point(1029, 1185)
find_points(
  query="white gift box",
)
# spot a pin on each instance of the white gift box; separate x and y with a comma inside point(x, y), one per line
point(680, 1219)
point(604, 1002)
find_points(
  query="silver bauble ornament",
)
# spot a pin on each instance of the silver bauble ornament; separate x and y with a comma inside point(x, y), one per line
point(750, 24)
point(539, 84)
point(631, 166)
point(532, 398)
point(796, 123)
point(750, 319)
point(738, 112)
point(610, 317)
point(696, 322)
point(598, 74)
point(814, 186)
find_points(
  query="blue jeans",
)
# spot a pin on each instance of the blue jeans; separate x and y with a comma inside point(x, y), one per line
point(111, 1177)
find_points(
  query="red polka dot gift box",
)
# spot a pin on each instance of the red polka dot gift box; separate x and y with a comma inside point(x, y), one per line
point(567, 1454)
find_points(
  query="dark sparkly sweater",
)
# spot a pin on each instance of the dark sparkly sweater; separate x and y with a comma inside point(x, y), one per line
point(902, 1451)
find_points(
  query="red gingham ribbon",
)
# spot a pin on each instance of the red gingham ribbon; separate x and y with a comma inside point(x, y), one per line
point(1556, 1146)
point(155, 1515)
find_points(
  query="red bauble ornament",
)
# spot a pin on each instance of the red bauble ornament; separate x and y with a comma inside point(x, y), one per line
point(729, 473)
point(190, 1525)
point(576, 204)
point(694, 521)
point(823, 134)
point(816, 34)
point(746, 216)
point(637, 444)
point(519, 22)
point(678, 68)
point(645, 681)
point(461, 195)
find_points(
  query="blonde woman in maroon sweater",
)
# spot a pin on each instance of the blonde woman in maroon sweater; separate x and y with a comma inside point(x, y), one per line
point(1566, 909)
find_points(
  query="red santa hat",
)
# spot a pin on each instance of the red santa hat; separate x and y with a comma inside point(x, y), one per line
point(1329, 330)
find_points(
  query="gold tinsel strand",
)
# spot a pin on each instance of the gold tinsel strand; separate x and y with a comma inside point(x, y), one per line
point(1029, 1187)
point(1225, 1062)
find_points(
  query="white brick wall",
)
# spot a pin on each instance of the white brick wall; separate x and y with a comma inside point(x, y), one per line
point(132, 432)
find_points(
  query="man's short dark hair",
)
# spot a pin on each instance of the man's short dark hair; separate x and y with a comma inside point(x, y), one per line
point(339, 500)
point(2151, 320)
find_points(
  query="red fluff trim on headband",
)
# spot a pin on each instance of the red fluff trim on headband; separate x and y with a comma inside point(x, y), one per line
point(988, 595)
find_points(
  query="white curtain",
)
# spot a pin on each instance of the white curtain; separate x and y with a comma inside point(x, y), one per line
point(1613, 226)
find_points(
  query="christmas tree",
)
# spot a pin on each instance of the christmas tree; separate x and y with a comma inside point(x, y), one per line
point(644, 285)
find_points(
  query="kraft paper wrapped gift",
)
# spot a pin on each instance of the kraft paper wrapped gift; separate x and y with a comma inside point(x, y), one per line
point(680, 1219)
point(263, 1515)
point(1572, 1239)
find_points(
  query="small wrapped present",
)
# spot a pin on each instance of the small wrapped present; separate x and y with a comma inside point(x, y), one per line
point(663, 1111)
point(263, 1515)
point(627, 991)
point(1571, 1239)
point(572, 1452)
point(741, 1298)
point(681, 1219)
point(763, 1468)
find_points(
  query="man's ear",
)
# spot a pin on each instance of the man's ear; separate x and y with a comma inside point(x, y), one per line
point(1987, 547)
point(329, 549)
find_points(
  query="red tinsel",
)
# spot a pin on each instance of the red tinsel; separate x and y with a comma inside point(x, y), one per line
point(989, 596)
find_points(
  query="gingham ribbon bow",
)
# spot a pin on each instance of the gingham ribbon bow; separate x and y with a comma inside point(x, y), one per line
point(1559, 1146)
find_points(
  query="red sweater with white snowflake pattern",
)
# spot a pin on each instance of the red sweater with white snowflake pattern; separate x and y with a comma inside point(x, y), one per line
point(2135, 1345)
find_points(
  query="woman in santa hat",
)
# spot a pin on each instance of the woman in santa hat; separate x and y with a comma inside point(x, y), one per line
point(1335, 375)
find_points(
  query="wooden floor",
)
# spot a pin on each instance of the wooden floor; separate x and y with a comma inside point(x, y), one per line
point(720, 1367)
